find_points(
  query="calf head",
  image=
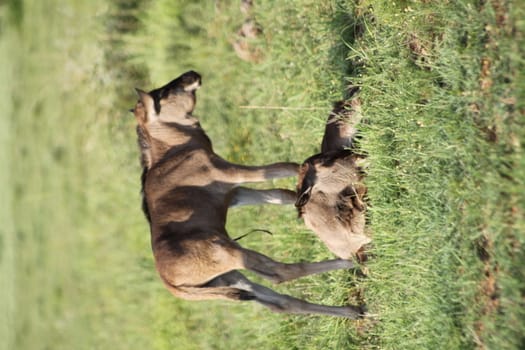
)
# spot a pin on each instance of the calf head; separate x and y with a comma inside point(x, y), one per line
point(330, 192)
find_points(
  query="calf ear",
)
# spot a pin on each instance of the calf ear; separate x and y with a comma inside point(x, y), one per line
point(305, 185)
point(148, 102)
point(303, 196)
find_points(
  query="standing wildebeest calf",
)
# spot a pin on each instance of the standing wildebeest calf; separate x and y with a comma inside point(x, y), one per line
point(330, 187)
point(187, 190)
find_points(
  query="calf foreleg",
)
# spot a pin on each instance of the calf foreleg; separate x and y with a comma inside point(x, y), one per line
point(237, 174)
point(247, 196)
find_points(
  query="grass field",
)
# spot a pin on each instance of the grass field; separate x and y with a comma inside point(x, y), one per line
point(442, 88)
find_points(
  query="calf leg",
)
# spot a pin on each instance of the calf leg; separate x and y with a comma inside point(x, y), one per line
point(279, 302)
point(279, 272)
point(247, 196)
point(237, 174)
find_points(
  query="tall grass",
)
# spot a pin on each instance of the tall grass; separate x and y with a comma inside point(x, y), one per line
point(7, 268)
point(444, 170)
point(73, 254)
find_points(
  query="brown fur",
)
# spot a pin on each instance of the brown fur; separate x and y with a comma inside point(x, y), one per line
point(187, 189)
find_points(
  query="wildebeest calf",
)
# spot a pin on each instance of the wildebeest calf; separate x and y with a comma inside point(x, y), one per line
point(330, 188)
point(187, 189)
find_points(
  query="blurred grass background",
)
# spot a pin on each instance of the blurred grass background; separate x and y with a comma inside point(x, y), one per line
point(442, 90)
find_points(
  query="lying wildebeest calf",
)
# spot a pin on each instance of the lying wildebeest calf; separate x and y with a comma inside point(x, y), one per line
point(187, 190)
point(330, 190)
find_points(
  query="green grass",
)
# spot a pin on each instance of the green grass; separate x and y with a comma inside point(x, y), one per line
point(447, 170)
point(74, 255)
point(442, 92)
point(7, 271)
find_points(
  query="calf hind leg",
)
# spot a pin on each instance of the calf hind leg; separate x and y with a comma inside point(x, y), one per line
point(280, 302)
point(279, 272)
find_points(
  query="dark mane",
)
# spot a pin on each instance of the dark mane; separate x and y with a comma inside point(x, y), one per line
point(145, 208)
point(145, 159)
